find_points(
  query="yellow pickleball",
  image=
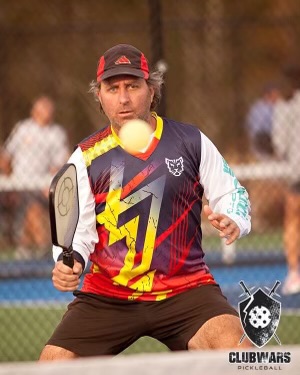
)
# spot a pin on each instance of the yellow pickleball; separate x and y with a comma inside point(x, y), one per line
point(135, 135)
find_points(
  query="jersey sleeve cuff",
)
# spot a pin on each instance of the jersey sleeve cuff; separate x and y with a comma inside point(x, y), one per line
point(243, 224)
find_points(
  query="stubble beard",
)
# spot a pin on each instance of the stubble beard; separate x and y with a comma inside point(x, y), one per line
point(117, 125)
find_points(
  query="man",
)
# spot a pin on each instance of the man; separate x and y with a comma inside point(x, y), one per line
point(140, 227)
point(35, 150)
point(259, 121)
point(259, 126)
point(286, 140)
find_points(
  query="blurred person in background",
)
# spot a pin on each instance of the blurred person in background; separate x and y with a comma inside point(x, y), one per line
point(258, 126)
point(259, 122)
point(33, 152)
point(286, 142)
point(140, 226)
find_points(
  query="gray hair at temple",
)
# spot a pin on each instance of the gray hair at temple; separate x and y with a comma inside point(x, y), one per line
point(155, 81)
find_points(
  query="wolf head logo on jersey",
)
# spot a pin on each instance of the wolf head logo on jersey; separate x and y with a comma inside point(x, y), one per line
point(175, 166)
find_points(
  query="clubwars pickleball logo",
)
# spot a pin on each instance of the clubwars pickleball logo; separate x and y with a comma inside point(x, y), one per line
point(260, 315)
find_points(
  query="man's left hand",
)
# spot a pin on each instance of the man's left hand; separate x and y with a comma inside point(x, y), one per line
point(227, 227)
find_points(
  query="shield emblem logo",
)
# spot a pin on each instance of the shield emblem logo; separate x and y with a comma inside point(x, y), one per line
point(260, 315)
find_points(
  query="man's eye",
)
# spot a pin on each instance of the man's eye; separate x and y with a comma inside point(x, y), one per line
point(133, 86)
point(112, 89)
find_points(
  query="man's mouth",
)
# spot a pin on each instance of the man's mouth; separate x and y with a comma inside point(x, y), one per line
point(126, 114)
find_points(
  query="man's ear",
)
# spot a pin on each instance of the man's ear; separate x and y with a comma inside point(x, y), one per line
point(99, 97)
point(152, 93)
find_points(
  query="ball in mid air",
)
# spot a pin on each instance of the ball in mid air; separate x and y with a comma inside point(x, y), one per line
point(135, 135)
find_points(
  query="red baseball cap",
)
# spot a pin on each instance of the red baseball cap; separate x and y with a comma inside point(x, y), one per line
point(122, 59)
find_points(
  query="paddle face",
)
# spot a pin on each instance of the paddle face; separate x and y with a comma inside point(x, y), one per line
point(64, 208)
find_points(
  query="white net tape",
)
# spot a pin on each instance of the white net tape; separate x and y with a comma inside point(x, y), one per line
point(186, 363)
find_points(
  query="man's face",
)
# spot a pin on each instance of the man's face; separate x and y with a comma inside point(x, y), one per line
point(125, 98)
point(43, 111)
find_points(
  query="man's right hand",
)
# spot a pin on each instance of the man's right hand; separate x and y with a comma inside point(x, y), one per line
point(66, 279)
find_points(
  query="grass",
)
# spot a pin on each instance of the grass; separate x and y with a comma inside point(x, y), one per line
point(257, 242)
point(25, 330)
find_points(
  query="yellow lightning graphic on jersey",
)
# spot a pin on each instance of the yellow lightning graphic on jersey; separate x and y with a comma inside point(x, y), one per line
point(114, 207)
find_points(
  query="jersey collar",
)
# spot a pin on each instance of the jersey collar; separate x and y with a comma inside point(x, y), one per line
point(152, 145)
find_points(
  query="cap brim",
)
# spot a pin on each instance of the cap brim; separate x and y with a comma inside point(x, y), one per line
point(123, 71)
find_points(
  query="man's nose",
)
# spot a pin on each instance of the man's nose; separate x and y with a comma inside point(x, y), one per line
point(124, 96)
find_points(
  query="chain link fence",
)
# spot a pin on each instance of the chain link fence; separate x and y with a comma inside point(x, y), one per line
point(232, 69)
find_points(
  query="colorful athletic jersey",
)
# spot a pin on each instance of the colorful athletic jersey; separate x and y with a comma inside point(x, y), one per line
point(140, 220)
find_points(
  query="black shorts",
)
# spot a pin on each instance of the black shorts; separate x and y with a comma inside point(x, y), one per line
point(95, 325)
